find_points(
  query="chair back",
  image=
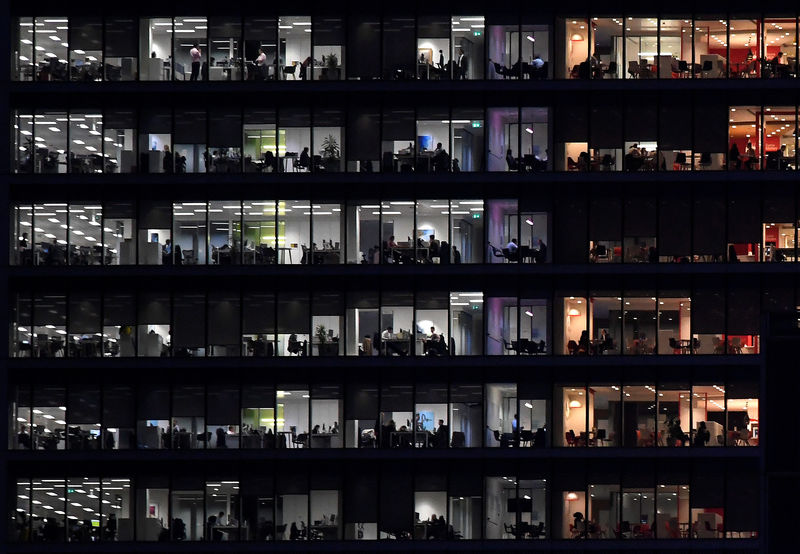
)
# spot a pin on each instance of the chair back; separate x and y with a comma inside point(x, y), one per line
point(459, 440)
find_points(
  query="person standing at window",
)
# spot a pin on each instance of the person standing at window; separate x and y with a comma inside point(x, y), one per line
point(195, 54)
point(462, 64)
point(261, 65)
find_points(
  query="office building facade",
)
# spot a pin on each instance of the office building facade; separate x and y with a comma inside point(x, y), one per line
point(467, 276)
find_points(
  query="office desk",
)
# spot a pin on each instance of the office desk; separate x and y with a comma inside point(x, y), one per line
point(218, 73)
point(321, 440)
point(396, 439)
point(323, 532)
point(400, 345)
point(399, 439)
point(284, 439)
point(409, 253)
point(289, 157)
point(229, 532)
point(717, 65)
point(327, 256)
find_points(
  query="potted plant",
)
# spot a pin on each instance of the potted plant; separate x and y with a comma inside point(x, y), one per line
point(325, 348)
point(330, 153)
point(331, 63)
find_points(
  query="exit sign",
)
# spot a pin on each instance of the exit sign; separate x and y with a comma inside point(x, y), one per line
point(476, 216)
point(477, 33)
point(476, 124)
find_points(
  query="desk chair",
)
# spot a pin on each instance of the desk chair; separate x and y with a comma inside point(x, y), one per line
point(633, 69)
point(572, 348)
point(459, 440)
point(526, 437)
point(288, 70)
point(511, 256)
point(301, 440)
point(611, 71)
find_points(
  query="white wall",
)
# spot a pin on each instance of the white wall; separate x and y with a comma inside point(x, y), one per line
point(439, 412)
point(496, 514)
point(435, 44)
point(440, 132)
point(295, 510)
point(574, 325)
point(401, 318)
point(574, 418)
point(325, 411)
point(295, 412)
point(327, 228)
point(324, 503)
point(297, 138)
point(430, 503)
point(402, 224)
point(298, 48)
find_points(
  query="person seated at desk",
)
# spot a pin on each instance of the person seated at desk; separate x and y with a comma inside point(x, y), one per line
point(540, 254)
point(509, 252)
point(441, 159)
point(391, 347)
point(270, 161)
point(315, 430)
point(513, 163)
point(391, 254)
point(606, 342)
point(537, 63)
point(779, 68)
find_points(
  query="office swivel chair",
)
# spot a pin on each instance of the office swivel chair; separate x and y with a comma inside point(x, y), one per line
point(301, 440)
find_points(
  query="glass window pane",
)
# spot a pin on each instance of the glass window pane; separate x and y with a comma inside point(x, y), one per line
point(155, 49)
